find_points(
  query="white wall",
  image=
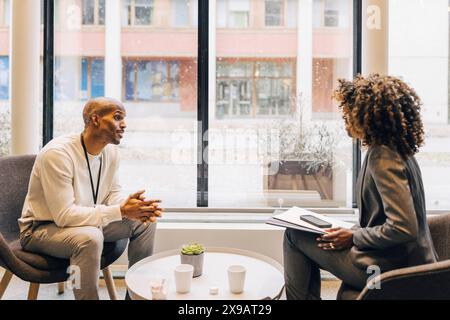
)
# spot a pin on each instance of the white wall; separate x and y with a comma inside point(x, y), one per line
point(260, 238)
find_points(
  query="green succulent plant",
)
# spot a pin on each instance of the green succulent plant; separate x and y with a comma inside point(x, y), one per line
point(192, 249)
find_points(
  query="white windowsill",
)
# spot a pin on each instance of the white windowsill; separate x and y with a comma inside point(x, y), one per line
point(228, 218)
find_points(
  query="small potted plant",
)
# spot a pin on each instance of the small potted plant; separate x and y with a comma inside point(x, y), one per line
point(193, 254)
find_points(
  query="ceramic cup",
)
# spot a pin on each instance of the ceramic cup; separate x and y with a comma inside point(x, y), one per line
point(236, 278)
point(183, 277)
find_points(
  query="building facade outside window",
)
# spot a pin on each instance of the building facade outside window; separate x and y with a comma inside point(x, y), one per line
point(4, 77)
point(4, 13)
point(92, 77)
point(274, 13)
point(254, 88)
point(233, 14)
point(67, 78)
point(137, 12)
point(151, 80)
point(93, 12)
point(280, 13)
point(184, 13)
point(79, 78)
point(331, 13)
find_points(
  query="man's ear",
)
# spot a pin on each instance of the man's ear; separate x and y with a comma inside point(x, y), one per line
point(95, 120)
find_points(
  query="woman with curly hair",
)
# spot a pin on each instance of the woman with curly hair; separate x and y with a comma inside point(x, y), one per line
point(384, 113)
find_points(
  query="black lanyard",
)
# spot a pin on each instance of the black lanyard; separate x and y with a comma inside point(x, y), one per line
point(94, 192)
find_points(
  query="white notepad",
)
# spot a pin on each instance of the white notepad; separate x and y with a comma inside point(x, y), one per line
point(291, 219)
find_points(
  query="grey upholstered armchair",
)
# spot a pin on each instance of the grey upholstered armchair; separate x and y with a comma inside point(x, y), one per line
point(429, 281)
point(34, 268)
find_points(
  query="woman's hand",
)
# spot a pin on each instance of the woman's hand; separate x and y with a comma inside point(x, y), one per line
point(336, 239)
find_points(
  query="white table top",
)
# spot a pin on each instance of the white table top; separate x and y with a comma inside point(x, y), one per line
point(264, 276)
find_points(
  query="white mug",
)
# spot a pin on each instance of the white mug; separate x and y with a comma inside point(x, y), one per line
point(183, 277)
point(236, 278)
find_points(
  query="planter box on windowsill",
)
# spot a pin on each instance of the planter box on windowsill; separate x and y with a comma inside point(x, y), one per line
point(297, 178)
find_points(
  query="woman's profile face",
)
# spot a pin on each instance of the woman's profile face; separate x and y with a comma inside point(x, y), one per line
point(351, 127)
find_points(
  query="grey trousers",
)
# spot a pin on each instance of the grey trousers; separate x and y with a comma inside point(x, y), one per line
point(303, 260)
point(84, 245)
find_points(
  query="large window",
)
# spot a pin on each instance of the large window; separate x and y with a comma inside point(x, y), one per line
point(138, 12)
point(276, 137)
point(155, 76)
point(419, 54)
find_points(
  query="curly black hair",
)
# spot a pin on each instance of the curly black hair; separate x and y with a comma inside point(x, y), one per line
point(382, 110)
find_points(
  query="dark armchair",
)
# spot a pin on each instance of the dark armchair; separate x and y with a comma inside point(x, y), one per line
point(429, 281)
point(31, 267)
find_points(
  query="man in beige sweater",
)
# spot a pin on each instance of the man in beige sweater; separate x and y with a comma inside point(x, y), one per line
point(74, 201)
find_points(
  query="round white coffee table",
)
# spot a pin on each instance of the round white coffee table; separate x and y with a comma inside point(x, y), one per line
point(264, 276)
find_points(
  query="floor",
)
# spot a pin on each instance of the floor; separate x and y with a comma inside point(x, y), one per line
point(18, 289)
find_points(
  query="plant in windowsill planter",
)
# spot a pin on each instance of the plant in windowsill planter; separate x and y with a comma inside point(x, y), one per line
point(304, 157)
point(193, 254)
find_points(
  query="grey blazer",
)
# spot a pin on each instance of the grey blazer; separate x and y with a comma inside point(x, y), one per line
point(393, 230)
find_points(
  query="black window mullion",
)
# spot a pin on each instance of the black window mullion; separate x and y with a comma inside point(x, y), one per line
point(357, 69)
point(47, 133)
point(202, 103)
